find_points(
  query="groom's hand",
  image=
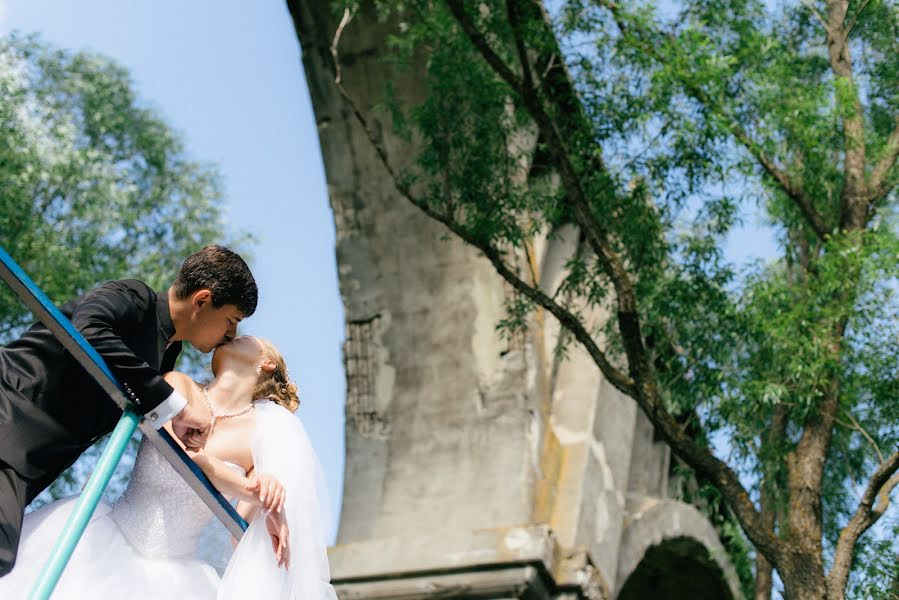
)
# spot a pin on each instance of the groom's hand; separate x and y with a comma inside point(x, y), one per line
point(192, 425)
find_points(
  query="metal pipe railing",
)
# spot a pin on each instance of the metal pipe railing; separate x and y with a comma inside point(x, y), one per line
point(44, 310)
point(84, 507)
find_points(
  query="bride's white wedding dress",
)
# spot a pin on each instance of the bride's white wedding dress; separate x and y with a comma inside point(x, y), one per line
point(144, 544)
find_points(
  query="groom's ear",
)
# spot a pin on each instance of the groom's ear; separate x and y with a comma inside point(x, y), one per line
point(201, 298)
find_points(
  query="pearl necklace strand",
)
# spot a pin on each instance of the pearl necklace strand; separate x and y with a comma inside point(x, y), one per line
point(217, 415)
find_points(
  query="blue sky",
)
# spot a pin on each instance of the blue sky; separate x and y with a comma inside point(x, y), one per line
point(228, 76)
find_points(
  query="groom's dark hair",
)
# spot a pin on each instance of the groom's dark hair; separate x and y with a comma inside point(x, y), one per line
point(224, 273)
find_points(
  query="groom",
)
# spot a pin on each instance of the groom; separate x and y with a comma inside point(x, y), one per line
point(51, 410)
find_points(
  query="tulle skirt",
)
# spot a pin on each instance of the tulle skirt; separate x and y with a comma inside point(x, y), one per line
point(104, 564)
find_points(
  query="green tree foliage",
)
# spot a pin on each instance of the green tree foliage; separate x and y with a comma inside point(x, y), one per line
point(655, 130)
point(94, 185)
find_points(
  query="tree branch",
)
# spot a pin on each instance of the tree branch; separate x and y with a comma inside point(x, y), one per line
point(793, 191)
point(645, 391)
point(879, 488)
point(876, 187)
point(818, 15)
point(770, 443)
point(567, 319)
point(515, 17)
point(344, 21)
point(864, 433)
point(854, 204)
point(597, 235)
point(855, 17)
point(480, 42)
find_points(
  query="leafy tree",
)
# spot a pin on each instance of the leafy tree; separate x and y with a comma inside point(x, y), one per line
point(654, 130)
point(94, 186)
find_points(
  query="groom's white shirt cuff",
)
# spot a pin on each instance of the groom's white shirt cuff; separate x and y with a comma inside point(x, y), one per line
point(167, 409)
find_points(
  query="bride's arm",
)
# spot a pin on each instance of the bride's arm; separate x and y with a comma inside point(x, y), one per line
point(275, 525)
point(247, 510)
point(225, 479)
point(262, 491)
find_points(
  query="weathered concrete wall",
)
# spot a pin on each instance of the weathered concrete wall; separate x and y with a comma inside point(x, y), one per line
point(421, 420)
point(475, 467)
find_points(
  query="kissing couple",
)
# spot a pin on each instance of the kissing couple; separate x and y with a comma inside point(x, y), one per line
point(239, 429)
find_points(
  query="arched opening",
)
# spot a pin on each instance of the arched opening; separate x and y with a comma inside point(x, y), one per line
point(676, 568)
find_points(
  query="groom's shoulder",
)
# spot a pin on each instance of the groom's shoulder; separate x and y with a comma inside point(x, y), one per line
point(132, 288)
point(125, 296)
point(136, 285)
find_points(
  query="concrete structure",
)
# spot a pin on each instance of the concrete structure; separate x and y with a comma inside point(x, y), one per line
point(476, 467)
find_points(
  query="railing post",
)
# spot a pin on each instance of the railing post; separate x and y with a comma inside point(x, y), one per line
point(85, 506)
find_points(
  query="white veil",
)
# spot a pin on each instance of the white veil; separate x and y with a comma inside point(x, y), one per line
point(282, 449)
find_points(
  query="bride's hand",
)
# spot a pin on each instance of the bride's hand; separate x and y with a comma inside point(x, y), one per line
point(270, 492)
point(276, 525)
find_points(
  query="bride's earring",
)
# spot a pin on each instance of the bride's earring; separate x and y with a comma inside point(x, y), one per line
point(259, 368)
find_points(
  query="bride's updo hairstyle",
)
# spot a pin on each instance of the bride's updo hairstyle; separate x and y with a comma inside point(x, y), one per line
point(275, 385)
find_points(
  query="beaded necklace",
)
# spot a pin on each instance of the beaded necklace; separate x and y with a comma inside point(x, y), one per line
point(217, 415)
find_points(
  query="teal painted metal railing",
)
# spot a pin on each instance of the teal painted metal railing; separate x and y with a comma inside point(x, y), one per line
point(93, 363)
point(84, 507)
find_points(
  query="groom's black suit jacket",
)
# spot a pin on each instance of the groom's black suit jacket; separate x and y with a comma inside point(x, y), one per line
point(51, 410)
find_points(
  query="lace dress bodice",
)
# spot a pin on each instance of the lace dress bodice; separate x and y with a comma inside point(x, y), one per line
point(159, 514)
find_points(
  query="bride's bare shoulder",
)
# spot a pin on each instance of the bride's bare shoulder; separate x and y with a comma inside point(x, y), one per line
point(181, 382)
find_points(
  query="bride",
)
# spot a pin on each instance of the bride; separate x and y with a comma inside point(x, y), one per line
point(144, 544)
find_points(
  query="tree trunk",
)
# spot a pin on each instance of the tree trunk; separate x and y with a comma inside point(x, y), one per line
point(763, 578)
point(768, 504)
point(802, 574)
